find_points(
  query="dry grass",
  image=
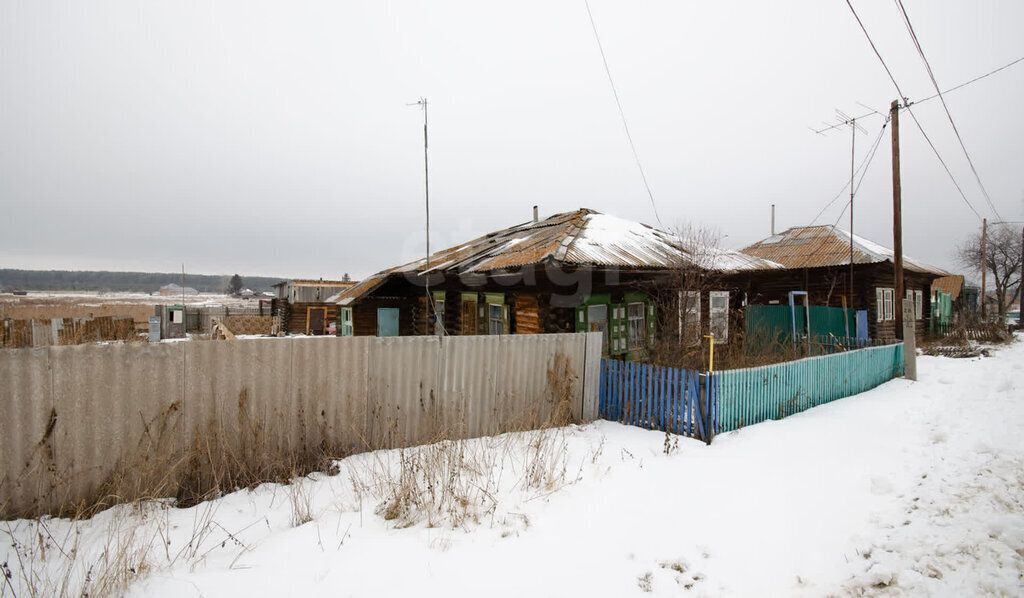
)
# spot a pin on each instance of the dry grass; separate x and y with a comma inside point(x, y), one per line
point(452, 482)
point(455, 482)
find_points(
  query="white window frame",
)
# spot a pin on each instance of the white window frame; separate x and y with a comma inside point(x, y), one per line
point(689, 315)
point(599, 324)
point(919, 304)
point(718, 318)
point(635, 323)
point(885, 300)
point(491, 320)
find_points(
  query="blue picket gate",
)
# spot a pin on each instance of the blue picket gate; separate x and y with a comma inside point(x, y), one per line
point(658, 398)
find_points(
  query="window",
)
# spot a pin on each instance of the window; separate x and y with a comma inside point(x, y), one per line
point(494, 318)
point(346, 321)
point(439, 317)
point(919, 304)
point(597, 316)
point(177, 316)
point(884, 303)
point(637, 325)
point(689, 317)
point(718, 307)
point(387, 321)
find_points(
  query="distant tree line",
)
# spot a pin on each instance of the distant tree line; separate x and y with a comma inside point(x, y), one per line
point(142, 282)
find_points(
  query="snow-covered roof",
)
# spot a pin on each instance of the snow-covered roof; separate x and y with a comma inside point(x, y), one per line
point(580, 238)
point(820, 246)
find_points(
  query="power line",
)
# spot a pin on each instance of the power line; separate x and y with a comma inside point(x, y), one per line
point(906, 104)
point(978, 78)
point(931, 97)
point(931, 75)
point(867, 160)
point(866, 164)
point(622, 113)
point(943, 162)
point(880, 59)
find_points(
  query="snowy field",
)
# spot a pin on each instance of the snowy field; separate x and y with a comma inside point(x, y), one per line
point(914, 488)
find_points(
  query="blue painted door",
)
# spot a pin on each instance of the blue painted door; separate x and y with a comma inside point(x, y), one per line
point(862, 323)
point(387, 321)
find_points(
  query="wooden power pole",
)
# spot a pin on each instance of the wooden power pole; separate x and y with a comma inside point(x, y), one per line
point(897, 219)
point(984, 250)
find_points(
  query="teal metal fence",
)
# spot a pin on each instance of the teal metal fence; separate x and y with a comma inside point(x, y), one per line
point(752, 395)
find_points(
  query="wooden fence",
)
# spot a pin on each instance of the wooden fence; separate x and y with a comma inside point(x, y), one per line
point(697, 405)
point(656, 398)
point(752, 395)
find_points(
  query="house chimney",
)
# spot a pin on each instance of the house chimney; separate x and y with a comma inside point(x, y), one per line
point(773, 220)
point(535, 219)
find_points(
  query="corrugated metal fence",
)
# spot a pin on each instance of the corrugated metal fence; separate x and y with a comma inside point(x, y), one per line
point(752, 395)
point(69, 416)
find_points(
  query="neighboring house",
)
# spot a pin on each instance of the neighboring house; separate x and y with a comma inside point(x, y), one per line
point(574, 271)
point(954, 299)
point(301, 306)
point(817, 261)
point(173, 290)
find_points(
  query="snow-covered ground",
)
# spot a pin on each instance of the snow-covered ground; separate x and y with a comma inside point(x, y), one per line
point(914, 488)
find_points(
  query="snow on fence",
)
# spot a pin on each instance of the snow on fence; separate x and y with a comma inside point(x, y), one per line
point(71, 417)
point(752, 395)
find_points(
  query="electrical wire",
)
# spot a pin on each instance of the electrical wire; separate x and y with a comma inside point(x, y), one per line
point(622, 113)
point(880, 59)
point(966, 83)
point(906, 104)
point(931, 97)
point(863, 162)
point(931, 75)
point(867, 164)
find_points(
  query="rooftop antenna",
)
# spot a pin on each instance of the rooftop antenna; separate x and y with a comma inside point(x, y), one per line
point(851, 121)
point(422, 103)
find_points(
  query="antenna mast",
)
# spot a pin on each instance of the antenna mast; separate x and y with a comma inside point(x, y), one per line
point(854, 127)
point(426, 196)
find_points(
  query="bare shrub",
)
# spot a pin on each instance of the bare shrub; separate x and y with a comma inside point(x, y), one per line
point(44, 565)
point(455, 483)
point(561, 380)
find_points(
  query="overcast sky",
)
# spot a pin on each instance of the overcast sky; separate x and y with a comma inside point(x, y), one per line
point(275, 138)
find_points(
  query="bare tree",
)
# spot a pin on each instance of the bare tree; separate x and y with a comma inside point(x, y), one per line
point(1002, 262)
point(680, 297)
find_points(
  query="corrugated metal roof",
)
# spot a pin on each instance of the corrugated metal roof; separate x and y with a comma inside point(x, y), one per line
point(820, 246)
point(949, 284)
point(580, 238)
point(316, 283)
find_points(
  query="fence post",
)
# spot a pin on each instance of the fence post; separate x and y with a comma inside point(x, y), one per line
point(702, 408)
point(909, 341)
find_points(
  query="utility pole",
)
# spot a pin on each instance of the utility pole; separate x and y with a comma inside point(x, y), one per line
point(984, 250)
point(897, 217)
